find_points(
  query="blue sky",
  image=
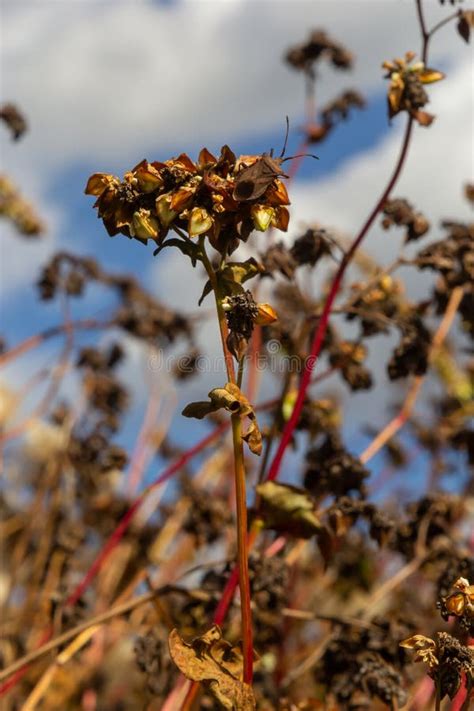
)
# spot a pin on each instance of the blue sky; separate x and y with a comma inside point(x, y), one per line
point(105, 84)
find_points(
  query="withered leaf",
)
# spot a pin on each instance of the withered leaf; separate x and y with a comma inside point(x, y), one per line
point(424, 647)
point(288, 508)
point(253, 437)
point(213, 661)
point(198, 410)
point(464, 24)
point(229, 398)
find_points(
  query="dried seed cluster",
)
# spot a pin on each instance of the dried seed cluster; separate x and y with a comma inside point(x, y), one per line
point(205, 197)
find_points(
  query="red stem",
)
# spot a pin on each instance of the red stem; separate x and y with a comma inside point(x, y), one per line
point(231, 584)
point(127, 518)
point(36, 340)
point(324, 320)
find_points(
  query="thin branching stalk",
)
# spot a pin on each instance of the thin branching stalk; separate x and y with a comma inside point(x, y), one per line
point(34, 341)
point(324, 320)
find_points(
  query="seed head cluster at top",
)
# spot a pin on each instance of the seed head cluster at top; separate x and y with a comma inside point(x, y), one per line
point(197, 198)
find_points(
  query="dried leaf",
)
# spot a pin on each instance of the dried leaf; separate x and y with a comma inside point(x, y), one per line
point(465, 22)
point(253, 437)
point(229, 398)
point(213, 661)
point(207, 290)
point(206, 158)
point(425, 649)
point(14, 119)
point(198, 410)
point(288, 508)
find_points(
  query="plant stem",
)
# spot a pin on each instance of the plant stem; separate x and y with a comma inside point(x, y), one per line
point(240, 372)
point(244, 580)
point(324, 320)
point(442, 23)
point(229, 363)
point(425, 35)
point(239, 474)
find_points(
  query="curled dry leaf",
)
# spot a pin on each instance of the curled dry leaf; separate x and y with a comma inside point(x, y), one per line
point(424, 647)
point(213, 661)
point(288, 508)
point(229, 398)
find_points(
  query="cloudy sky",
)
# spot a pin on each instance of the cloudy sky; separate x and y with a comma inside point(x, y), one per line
point(105, 83)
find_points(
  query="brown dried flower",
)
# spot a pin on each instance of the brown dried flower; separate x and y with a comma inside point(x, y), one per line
point(406, 92)
point(197, 198)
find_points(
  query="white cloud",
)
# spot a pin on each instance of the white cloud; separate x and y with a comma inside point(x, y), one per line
point(439, 163)
point(108, 81)
point(111, 80)
point(22, 257)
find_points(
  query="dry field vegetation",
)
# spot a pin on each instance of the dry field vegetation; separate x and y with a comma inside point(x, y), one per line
point(234, 589)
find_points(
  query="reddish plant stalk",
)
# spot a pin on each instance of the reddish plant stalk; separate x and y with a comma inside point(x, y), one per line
point(33, 341)
point(324, 320)
point(127, 518)
point(320, 332)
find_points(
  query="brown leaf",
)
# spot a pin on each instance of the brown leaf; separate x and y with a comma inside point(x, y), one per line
point(288, 508)
point(213, 661)
point(198, 410)
point(424, 647)
point(232, 399)
point(253, 437)
point(465, 22)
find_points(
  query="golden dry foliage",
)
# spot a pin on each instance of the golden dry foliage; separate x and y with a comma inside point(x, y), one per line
point(212, 660)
